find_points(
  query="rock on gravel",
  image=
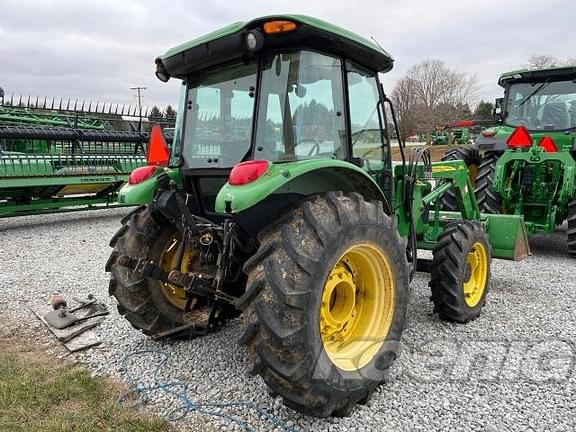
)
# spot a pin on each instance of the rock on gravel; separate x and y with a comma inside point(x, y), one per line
point(511, 369)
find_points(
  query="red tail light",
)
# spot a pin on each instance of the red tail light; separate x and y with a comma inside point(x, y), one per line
point(141, 174)
point(520, 138)
point(247, 172)
point(548, 145)
point(465, 123)
point(158, 152)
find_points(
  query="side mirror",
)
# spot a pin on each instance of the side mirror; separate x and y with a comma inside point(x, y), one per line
point(161, 72)
point(497, 111)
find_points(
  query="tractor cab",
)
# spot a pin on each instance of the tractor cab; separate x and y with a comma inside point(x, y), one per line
point(280, 90)
point(543, 101)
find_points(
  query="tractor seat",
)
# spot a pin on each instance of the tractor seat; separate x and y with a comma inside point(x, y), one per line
point(556, 115)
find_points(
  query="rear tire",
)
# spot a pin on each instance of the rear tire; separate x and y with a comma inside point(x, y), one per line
point(488, 200)
point(460, 273)
point(571, 233)
point(142, 301)
point(470, 156)
point(288, 280)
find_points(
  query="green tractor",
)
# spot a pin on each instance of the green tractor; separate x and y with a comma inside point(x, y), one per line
point(453, 133)
point(526, 165)
point(278, 199)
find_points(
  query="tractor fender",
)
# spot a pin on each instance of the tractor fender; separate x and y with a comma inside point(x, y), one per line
point(143, 192)
point(285, 182)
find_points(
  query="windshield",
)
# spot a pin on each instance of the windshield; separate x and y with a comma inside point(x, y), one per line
point(301, 107)
point(543, 105)
point(219, 111)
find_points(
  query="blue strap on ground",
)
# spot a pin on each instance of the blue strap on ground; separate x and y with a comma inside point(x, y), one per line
point(179, 390)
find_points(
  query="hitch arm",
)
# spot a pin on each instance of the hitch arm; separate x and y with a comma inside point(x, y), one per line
point(193, 283)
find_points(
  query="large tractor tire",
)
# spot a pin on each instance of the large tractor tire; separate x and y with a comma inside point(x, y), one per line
point(326, 303)
point(460, 273)
point(470, 156)
point(571, 240)
point(151, 305)
point(488, 200)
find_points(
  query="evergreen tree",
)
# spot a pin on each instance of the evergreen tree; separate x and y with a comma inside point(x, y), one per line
point(155, 114)
point(484, 110)
point(170, 114)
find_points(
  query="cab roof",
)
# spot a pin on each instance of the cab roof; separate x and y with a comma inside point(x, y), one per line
point(527, 75)
point(227, 44)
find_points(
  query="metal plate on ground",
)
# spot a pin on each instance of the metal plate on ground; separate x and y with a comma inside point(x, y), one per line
point(76, 337)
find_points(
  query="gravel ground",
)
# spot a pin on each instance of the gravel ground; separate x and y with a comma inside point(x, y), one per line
point(511, 369)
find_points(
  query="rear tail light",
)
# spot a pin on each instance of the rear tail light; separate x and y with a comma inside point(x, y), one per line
point(548, 145)
point(247, 172)
point(520, 138)
point(141, 174)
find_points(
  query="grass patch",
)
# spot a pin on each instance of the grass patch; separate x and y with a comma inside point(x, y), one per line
point(41, 393)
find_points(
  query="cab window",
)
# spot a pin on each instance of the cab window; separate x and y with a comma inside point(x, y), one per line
point(301, 108)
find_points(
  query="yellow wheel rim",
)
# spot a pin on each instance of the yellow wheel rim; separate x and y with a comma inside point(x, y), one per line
point(476, 274)
point(168, 262)
point(357, 307)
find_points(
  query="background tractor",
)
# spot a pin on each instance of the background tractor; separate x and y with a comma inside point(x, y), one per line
point(526, 165)
point(278, 199)
point(453, 133)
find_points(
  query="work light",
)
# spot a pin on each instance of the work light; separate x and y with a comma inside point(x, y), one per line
point(254, 40)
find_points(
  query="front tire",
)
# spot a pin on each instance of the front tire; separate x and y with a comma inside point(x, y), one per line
point(333, 271)
point(460, 272)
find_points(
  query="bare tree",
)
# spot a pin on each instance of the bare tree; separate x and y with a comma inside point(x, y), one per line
point(404, 100)
point(539, 61)
point(430, 94)
point(571, 61)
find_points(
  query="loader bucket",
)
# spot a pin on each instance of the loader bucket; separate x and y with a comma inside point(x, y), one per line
point(508, 237)
point(507, 234)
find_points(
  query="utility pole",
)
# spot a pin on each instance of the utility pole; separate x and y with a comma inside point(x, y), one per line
point(139, 91)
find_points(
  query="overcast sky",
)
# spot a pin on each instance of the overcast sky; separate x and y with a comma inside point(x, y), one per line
point(99, 49)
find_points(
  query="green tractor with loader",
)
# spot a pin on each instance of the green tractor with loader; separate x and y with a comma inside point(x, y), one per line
point(527, 164)
point(277, 199)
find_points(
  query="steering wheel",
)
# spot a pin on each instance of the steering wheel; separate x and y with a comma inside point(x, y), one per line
point(315, 146)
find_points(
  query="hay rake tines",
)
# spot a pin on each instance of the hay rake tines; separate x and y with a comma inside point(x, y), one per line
point(74, 106)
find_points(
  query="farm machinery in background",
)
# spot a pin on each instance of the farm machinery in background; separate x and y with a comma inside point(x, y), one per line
point(64, 155)
point(458, 133)
point(278, 199)
point(527, 164)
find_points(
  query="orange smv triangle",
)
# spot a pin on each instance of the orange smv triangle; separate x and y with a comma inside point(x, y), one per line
point(158, 152)
point(548, 145)
point(519, 138)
